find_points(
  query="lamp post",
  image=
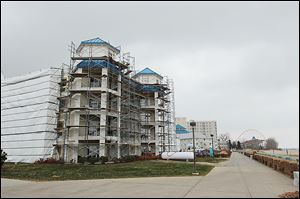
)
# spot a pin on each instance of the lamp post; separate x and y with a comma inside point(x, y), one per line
point(212, 143)
point(193, 124)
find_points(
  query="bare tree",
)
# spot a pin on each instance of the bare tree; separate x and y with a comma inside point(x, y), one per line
point(271, 143)
point(238, 145)
point(234, 145)
point(224, 137)
point(223, 141)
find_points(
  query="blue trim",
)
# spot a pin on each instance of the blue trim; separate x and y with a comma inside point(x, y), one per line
point(180, 129)
point(150, 88)
point(147, 71)
point(98, 41)
point(97, 64)
point(93, 41)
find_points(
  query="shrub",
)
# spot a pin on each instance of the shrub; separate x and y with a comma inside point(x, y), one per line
point(224, 153)
point(3, 157)
point(202, 153)
point(103, 159)
point(92, 160)
point(149, 157)
point(48, 161)
point(129, 158)
point(123, 159)
point(116, 160)
point(82, 159)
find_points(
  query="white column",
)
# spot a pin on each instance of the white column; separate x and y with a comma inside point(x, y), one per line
point(102, 148)
point(119, 116)
point(156, 124)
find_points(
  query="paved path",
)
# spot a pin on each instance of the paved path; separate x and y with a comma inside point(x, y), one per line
point(238, 177)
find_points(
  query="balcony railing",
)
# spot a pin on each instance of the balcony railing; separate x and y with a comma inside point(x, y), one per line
point(148, 123)
point(147, 103)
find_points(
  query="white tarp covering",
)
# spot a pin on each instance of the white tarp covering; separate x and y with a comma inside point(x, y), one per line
point(28, 115)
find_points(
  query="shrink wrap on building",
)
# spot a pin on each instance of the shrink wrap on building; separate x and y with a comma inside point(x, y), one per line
point(28, 115)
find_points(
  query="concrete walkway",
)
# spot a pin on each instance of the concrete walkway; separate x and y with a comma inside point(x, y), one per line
point(237, 177)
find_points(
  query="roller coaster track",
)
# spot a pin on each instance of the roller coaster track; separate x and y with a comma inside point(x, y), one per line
point(251, 130)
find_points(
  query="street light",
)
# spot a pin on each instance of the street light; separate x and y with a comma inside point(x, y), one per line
point(193, 124)
point(212, 144)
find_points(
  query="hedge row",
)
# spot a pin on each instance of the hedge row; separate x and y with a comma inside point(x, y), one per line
point(249, 153)
point(285, 166)
point(103, 159)
point(217, 153)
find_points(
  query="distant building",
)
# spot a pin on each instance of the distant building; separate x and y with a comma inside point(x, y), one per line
point(252, 144)
point(203, 132)
point(185, 138)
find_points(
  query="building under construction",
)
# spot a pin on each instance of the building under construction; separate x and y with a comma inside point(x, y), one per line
point(108, 109)
point(96, 106)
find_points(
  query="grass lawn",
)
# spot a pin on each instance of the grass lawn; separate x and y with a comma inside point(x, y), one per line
point(210, 159)
point(45, 172)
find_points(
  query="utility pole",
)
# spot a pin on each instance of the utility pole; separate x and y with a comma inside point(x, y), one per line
point(193, 124)
point(212, 144)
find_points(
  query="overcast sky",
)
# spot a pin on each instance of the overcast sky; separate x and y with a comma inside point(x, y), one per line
point(234, 62)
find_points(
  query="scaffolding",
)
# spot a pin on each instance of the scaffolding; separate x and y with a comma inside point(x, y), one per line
point(102, 108)
point(171, 115)
point(158, 132)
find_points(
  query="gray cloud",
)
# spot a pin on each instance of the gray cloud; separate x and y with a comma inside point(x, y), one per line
point(234, 62)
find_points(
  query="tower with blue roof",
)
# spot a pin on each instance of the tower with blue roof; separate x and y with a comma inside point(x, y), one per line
point(158, 125)
point(97, 48)
point(148, 76)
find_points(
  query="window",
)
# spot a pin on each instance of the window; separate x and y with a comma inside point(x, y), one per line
point(94, 104)
point(95, 82)
point(62, 103)
point(92, 151)
point(147, 117)
point(92, 131)
point(93, 128)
